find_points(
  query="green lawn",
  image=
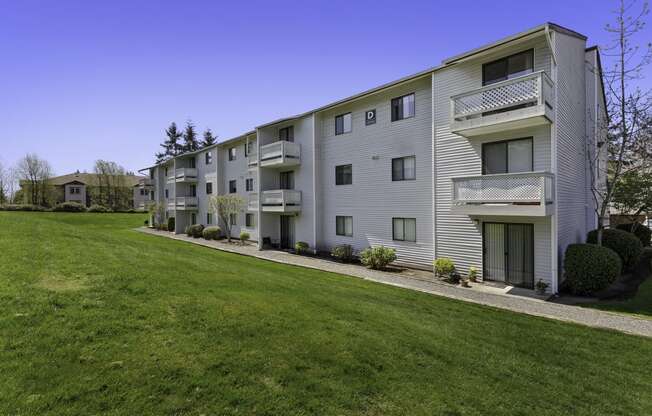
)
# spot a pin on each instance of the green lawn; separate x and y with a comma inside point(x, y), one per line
point(97, 318)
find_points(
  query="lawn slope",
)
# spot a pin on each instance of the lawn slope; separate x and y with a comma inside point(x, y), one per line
point(97, 318)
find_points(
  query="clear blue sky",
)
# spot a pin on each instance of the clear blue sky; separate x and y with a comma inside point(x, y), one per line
point(83, 80)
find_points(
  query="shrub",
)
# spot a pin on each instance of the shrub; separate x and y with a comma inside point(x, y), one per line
point(22, 207)
point(444, 268)
point(196, 230)
point(188, 230)
point(626, 245)
point(641, 232)
point(590, 268)
point(69, 207)
point(212, 232)
point(301, 247)
point(244, 236)
point(162, 227)
point(99, 208)
point(473, 274)
point(377, 257)
point(342, 252)
point(171, 224)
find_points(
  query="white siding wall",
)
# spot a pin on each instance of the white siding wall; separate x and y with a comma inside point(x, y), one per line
point(457, 236)
point(373, 199)
point(570, 139)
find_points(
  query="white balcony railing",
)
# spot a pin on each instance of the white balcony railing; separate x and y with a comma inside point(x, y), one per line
point(252, 159)
point(186, 202)
point(281, 153)
point(514, 103)
point(182, 174)
point(281, 200)
point(519, 194)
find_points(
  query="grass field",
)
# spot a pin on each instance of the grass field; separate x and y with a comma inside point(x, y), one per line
point(99, 319)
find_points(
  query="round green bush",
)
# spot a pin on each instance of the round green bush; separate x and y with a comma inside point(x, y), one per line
point(171, 224)
point(69, 207)
point(196, 230)
point(444, 267)
point(377, 257)
point(342, 252)
point(641, 232)
point(244, 236)
point(589, 268)
point(211, 233)
point(188, 230)
point(626, 245)
point(98, 208)
point(301, 247)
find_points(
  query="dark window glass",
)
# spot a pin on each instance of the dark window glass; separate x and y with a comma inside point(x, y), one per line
point(509, 156)
point(344, 226)
point(286, 133)
point(403, 107)
point(208, 218)
point(166, 194)
point(209, 188)
point(232, 153)
point(193, 190)
point(343, 123)
point(249, 220)
point(509, 67)
point(404, 168)
point(249, 185)
point(232, 187)
point(404, 229)
point(344, 175)
point(233, 219)
point(209, 158)
point(286, 180)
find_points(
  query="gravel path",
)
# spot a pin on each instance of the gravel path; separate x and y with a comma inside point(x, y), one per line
point(527, 305)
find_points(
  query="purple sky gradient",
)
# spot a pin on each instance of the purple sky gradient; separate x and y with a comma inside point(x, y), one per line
point(84, 80)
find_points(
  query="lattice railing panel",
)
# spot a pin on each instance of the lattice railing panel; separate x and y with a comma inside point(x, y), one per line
point(502, 188)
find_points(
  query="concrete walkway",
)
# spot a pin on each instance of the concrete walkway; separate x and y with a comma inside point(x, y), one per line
point(527, 305)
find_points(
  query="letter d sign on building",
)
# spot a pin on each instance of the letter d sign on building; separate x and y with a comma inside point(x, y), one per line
point(370, 117)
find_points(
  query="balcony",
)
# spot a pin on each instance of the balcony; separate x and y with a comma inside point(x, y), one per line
point(185, 175)
point(281, 200)
point(280, 154)
point(520, 194)
point(252, 202)
point(525, 101)
point(185, 203)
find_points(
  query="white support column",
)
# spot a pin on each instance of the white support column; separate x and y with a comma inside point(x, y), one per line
point(259, 215)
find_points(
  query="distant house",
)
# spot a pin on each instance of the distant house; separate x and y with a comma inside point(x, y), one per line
point(88, 189)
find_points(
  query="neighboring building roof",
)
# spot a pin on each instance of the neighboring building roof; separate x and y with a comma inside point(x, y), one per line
point(89, 179)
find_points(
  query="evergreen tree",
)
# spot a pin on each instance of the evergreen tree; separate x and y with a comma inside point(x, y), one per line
point(190, 138)
point(208, 139)
point(171, 146)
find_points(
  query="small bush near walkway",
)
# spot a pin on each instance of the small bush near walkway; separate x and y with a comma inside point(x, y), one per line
point(626, 245)
point(197, 230)
point(343, 252)
point(377, 258)
point(69, 207)
point(589, 268)
point(244, 236)
point(211, 233)
point(99, 208)
point(171, 224)
point(641, 232)
point(301, 247)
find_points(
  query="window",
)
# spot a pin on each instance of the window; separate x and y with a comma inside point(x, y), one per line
point(248, 148)
point(209, 188)
point(510, 67)
point(193, 218)
point(166, 171)
point(209, 157)
point(233, 219)
point(404, 229)
point(249, 184)
point(209, 219)
point(232, 153)
point(142, 192)
point(151, 173)
point(152, 196)
point(509, 156)
point(249, 220)
point(191, 163)
point(166, 194)
point(404, 168)
point(343, 123)
point(344, 175)
point(286, 134)
point(146, 191)
point(286, 180)
point(344, 226)
point(192, 191)
point(232, 187)
point(403, 107)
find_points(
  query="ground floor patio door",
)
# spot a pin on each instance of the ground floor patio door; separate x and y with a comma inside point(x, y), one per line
point(287, 232)
point(508, 253)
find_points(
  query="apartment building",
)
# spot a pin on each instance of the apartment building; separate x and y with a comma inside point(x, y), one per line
point(481, 159)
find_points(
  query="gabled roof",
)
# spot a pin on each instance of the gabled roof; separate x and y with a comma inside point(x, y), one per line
point(89, 179)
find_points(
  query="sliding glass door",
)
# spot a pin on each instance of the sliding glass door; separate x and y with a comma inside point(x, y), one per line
point(508, 253)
